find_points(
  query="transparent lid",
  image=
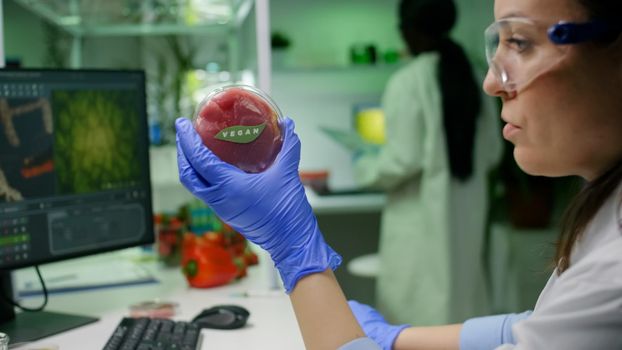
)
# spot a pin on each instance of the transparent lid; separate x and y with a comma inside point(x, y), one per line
point(242, 125)
point(242, 87)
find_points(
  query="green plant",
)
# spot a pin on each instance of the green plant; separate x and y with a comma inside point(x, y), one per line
point(184, 56)
point(279, 41)
point(56, 47)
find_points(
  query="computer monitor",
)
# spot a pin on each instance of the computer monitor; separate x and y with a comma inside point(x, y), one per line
point(74, 176)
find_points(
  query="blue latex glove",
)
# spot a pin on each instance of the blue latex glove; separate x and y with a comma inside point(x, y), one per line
point(375, 326)
point(270, 208)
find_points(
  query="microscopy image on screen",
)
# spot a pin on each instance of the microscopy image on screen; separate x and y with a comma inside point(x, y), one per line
point(95, 145)
point(26, 149)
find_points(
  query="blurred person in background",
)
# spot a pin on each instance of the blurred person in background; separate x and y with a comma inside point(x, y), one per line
point(442, 140)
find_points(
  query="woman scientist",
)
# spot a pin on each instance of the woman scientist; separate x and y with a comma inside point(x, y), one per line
point(442, 140)
point(557, 67)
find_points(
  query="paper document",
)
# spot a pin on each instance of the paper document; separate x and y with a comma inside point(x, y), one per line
point(349, 139)
point(75, 276)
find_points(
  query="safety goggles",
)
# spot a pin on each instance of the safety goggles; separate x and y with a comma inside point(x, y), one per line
point(518, 50)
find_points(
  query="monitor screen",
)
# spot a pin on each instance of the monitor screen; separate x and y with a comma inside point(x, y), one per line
point(74, 164)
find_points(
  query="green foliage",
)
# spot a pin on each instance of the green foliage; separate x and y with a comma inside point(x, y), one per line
point(95, 147)
point(279, 40)
point(56, 47)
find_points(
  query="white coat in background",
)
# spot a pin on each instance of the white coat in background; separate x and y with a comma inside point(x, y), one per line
point(432, 230)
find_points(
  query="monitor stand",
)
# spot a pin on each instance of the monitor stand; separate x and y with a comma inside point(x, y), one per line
point(29, 326)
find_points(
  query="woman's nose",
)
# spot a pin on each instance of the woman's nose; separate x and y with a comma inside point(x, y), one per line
point(492, 86)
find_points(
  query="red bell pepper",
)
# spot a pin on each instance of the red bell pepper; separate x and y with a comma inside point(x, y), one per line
point(205, 264)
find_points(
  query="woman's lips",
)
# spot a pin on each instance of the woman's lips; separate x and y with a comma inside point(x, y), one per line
point(509, 130)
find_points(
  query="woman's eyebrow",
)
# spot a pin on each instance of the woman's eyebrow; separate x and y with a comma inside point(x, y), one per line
point(514, 15)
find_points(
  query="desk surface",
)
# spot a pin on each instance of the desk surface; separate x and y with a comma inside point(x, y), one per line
point(272, 324)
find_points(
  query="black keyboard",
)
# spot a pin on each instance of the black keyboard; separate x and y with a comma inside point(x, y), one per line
point(154, 334)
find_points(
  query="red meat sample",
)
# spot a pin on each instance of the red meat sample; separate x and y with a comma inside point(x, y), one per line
point(241, 128)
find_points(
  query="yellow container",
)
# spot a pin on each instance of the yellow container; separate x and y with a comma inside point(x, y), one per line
point(370, 125)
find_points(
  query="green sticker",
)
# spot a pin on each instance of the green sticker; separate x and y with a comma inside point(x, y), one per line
point(241, 133)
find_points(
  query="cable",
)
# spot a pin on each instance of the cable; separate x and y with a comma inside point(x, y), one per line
point(29, 309)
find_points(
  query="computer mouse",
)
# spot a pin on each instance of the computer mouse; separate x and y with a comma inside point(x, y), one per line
point(222, 317)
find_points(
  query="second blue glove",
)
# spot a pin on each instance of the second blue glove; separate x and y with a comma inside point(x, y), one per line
point(375, 326)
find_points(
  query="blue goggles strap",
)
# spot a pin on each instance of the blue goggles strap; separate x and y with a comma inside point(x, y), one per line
point(566, 33)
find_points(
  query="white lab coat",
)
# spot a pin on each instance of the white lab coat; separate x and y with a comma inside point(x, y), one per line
point(431, 268)
point(582, 308)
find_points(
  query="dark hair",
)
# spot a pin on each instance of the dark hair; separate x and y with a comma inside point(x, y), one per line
point(590, 199)
point(581, 211)
point(609, 10)
point(461, 98)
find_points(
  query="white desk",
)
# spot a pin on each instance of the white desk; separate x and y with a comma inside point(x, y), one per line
point(272, 324)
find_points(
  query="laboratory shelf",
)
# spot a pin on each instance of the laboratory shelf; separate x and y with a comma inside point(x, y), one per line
point(345, 204)
point(228, 20)
point(131, 18)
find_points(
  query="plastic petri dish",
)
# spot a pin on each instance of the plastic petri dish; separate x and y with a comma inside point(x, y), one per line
point(153, 309)
point(242, 125)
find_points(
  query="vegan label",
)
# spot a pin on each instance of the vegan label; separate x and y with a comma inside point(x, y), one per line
point(241, 133)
